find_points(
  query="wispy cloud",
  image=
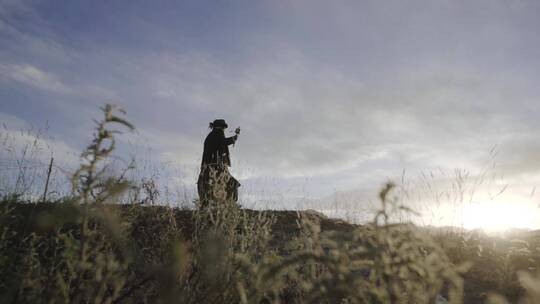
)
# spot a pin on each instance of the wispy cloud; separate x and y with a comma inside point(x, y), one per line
point(31, 76)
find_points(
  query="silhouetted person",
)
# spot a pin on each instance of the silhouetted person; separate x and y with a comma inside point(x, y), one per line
point(215, 183)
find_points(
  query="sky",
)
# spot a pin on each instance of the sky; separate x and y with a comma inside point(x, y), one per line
point(334, 98)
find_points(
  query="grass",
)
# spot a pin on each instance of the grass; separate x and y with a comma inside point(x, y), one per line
point(86, 248)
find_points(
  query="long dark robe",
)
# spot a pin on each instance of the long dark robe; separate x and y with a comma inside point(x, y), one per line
point(215, 183)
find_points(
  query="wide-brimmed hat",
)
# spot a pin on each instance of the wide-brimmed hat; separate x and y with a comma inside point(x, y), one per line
point(219, 123)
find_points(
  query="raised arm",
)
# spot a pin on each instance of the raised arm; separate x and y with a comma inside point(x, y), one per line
point(230, 140)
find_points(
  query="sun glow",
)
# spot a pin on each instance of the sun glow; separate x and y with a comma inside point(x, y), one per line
point(495, 216)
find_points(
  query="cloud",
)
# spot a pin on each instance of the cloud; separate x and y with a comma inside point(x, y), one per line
point(12, 121)
point(31, 76)
point(346, 103)
point(17, 136)
point(299, 120)
point(519, 157)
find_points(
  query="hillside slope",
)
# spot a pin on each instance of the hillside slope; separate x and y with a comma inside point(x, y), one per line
point(494, 259)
